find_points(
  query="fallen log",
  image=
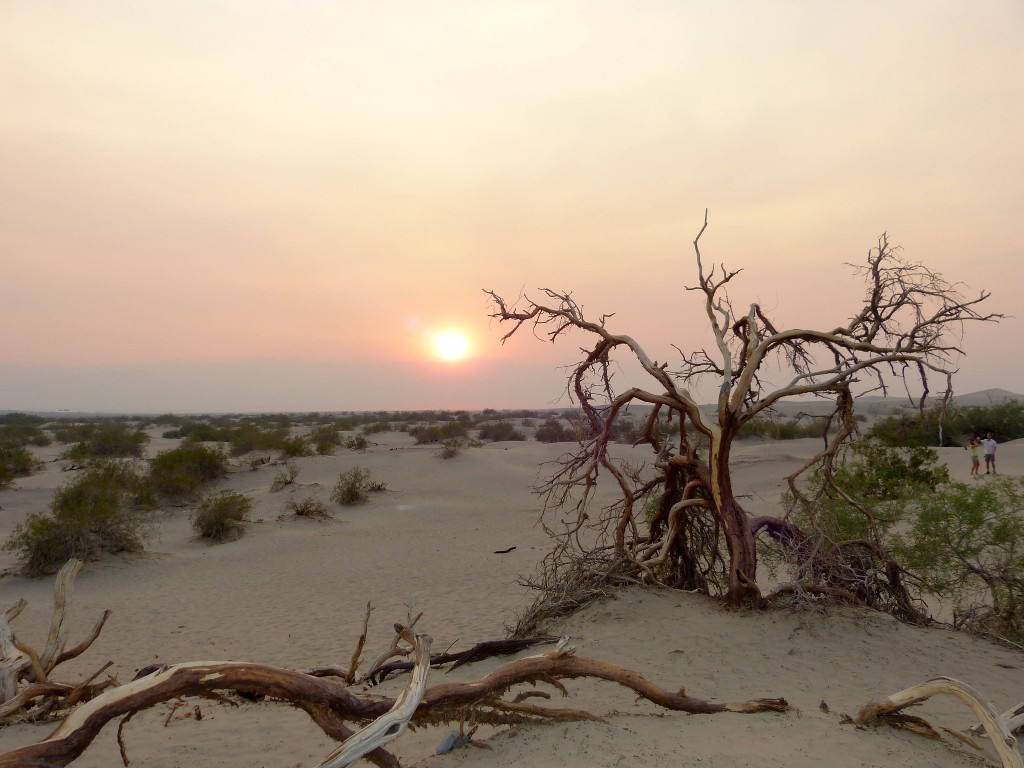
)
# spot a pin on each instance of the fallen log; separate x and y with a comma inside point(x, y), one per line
point(332, 706)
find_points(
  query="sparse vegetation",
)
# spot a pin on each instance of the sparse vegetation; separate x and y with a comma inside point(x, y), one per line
point(500, 431)
point(309, 507)
point(221, 517)
point(552, 431)
point(357, 443)
point(110, 439)
point(285, 477)
point(180, 473)
point(96, 512)
point(451, 448)
point(355, 487)
point(325, 439)
point(15, 461)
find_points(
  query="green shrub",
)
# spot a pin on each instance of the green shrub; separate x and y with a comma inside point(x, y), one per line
point(179, 473)
point(375, 427)
point(250, 437)
point(19, 418)
point(22, 435)
point(96, 512)
point(966, 544)
point(221, 516)
point(500, 431)
point(552, 431)
point(296, 446)
point(325, 439)
point(108, 440)
point(15, 461)
point(357, 443)
point(355, 487)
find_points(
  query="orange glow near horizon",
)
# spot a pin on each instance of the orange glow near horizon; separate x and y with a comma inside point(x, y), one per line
point(451, 346)
point(235, 186)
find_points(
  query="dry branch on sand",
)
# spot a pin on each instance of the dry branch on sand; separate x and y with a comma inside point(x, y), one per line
point(998, 727)
point(27, 691)
point(333, 706)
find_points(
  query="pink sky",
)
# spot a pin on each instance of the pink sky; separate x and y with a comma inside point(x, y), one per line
point(259, 205)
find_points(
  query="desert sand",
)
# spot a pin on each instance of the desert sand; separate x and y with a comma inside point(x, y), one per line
point(292, 592)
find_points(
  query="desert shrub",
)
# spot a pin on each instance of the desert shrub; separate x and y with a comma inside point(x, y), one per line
point(249, 437)
point(19, 418)
point(881, 478)
point(310, 507)
point(552, 431)
point(451, 448)
point(15, 461)
point(376, 427)
point(966, 544)
point(96, 512)
point(113, 439)
point(355, 487)
point(499, 431)
point(22, 435)
point(285, 477)
point(296, 445)
point(357, 443)
point(179, 473)
point(449, 430)
point(782, 429)
point(325, 439)
point(256, 461)
point(220, 517)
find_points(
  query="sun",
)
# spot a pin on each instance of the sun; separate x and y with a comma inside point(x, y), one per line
point(451, 346)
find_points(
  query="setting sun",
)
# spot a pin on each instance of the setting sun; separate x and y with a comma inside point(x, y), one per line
point(451, 346)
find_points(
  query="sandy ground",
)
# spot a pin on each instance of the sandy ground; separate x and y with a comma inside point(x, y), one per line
point(292, 592)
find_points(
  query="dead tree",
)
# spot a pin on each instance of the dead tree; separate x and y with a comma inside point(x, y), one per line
point(700, 537)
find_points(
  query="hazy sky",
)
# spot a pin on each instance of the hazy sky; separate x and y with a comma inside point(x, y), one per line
point(254, 205)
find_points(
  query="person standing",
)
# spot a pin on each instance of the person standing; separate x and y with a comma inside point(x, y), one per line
point(975, 458)
point(989, 444)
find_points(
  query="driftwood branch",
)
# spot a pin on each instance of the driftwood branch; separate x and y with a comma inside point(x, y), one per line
point(331, 705)
point(995, 724)
point(393, 723)
point(25, 675)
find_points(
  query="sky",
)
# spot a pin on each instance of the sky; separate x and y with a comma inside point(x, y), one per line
point(245, 205)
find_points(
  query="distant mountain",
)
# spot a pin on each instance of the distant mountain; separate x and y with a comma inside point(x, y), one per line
point(987, 397)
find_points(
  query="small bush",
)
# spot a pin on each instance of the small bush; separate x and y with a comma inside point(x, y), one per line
point(355, 487)
point(15, 461)
point(220, 517)
point(23, 434)
point(500, 431)
point(451, 448)
point(95, 513)
point(552, 431)
point(285, 477)
point(310, 507)
point(179, 473)
point(109, 440)
point(325, 439)
point(296, 446)
point(357, 443)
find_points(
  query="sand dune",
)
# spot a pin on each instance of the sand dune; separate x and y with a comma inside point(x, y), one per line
point(292, 592)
